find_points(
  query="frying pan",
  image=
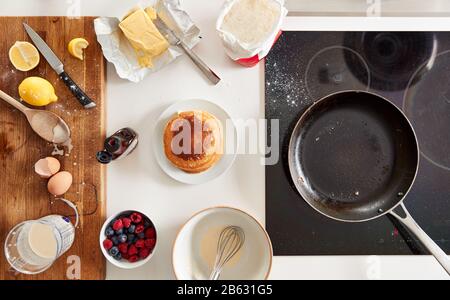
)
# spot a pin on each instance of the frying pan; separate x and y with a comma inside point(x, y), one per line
point(353, 157)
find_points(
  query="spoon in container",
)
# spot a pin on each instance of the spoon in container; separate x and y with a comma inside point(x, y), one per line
point(46, 124)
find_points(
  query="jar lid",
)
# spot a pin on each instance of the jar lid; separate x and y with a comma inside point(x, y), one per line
point(104, 157)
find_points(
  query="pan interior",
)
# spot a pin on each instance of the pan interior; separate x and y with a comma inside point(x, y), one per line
point(354, 156)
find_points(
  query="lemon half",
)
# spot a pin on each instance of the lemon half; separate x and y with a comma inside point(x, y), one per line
point(37, 91)
point(24, 56)
point(76, 47)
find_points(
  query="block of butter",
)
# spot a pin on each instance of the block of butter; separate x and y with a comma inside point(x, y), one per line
point(132, 46)
point(144, 36)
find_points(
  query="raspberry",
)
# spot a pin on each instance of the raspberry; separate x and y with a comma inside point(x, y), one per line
point(144, 253)
point(118, 225)
point(107, 244)
point(139, 229)
point(123, 248)
point(133, 258)
point(132, 250)
point(136, 218)
point(125, 255)
point(126, 222)
point(150, 243)
point(150, 233)
point(140, 244)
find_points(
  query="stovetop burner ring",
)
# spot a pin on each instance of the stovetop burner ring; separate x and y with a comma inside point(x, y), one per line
point(327, 72)
point(392, 57)
point(426, 102)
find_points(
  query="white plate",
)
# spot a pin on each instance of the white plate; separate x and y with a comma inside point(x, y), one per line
point(196, 245)
point(221, 166)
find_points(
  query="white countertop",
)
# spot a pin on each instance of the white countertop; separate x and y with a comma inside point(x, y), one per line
point(138, 182)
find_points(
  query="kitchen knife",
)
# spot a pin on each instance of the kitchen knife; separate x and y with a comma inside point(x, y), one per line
point(176, 41)
point(58, 66)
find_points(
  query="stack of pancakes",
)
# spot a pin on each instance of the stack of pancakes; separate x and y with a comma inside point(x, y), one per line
point(193, 141)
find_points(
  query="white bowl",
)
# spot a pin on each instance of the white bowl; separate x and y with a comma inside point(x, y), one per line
point(230, 141)
point(124, 264)
point(195, 247)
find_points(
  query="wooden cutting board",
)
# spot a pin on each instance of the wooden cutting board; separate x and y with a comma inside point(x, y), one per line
point(23, 195)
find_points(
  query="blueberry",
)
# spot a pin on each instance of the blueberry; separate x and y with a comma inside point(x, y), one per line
point(130, 238)
point(109, 232)
point(118, 256)
point(131, 229)
point(119, 232)
point(141, 235)
point(123, 238)
point(115, 240)
point(147, 223)
point(114, 251)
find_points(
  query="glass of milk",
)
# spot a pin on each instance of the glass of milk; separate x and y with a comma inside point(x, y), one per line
point(32, 247)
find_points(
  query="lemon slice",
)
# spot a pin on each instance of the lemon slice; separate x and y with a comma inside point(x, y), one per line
point(24, 56)
point(37, 91)
point(76, 47)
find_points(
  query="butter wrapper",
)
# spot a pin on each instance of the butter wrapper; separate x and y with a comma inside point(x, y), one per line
point(248, 55)
point(118, 50)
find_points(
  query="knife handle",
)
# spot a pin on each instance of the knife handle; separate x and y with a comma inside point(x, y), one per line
point(77, 91)
point(200, 64)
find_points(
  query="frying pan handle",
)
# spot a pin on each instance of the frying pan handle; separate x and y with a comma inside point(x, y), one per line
point(437, 252)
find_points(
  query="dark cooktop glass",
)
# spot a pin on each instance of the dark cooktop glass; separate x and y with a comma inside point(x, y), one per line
point(410, 69)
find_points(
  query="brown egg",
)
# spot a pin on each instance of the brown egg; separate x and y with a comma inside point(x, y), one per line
point(60, 183)
point(47, 167)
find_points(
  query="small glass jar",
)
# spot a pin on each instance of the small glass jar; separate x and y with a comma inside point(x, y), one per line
point(119, 145)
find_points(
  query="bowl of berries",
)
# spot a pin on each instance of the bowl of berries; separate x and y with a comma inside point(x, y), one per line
point(128, 239)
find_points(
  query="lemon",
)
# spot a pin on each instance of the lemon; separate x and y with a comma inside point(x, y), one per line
point(37, 91)
point(76, 47)
point(24, 56)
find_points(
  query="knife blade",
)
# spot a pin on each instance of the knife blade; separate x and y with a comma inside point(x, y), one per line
point(58, 66)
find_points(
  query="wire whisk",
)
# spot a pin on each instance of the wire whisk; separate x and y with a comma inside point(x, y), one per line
point(230, 241)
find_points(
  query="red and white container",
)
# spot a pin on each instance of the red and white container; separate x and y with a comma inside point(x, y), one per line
point(249, 28)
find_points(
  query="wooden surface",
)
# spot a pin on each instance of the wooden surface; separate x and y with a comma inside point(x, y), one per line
point(23, 195)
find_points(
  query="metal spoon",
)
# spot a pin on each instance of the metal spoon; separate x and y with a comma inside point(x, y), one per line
point(46, 124)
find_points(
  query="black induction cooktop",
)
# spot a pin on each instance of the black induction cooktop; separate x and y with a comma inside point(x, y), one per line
point(412, 70)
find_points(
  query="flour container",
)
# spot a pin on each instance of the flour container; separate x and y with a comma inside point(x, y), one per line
point(249, 28)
